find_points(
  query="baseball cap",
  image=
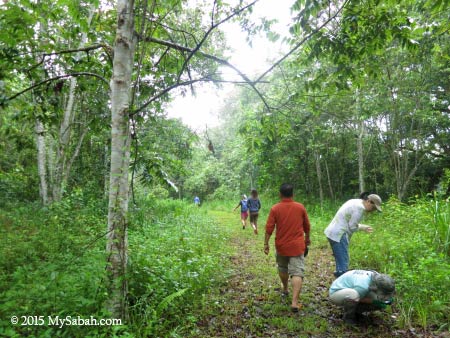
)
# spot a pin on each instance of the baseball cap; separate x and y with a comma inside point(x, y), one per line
point(376, 200)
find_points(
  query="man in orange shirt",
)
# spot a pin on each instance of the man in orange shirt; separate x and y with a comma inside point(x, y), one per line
point(292, 226)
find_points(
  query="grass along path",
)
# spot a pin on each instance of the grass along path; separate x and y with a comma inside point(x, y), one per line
point(249, 303)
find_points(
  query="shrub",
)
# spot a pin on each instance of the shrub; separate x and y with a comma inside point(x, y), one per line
point(404, 245)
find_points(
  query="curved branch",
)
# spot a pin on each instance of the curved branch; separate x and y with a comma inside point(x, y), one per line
point(213, 26)
point(214, 58)
point(299, 44)
point(181, 84)
point(107, 48)
point(54, 79)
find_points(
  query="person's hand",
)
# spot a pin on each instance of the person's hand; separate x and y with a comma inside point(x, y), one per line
point(306, 252)
point(266, 249)
point(365, 228)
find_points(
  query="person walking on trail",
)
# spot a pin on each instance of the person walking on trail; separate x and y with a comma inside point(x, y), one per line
point(254, 204)
point(197, 201)
point(244, 210)
point(359, 291)
point(345, 223)
point(290, 220)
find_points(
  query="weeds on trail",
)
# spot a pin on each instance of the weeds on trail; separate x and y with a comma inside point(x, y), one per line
point(408, 243)
point(176, 254)
point(52, 263)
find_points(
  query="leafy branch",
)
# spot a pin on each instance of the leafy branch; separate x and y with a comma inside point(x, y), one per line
point(302, 41)
point(207, 56)
point(65, 76)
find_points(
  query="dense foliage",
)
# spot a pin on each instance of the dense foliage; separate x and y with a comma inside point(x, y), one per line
point(360, 102)
point(352, 110)
point(53, 262)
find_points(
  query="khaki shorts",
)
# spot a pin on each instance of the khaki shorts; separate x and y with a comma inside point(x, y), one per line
point(339, 297)
point(294, 266)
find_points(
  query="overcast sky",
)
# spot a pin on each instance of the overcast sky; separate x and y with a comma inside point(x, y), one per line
point(199, 111)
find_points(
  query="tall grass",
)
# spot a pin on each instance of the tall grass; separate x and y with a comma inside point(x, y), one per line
point(409, 245)
point(52, 262)
point(440, 209)
point(177, 254)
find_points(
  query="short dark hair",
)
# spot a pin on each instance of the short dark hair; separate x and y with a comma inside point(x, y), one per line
point(287, 190)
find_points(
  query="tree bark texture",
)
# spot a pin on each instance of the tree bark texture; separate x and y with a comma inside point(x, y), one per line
point(41, 160)
point(117, 239)
point(360, 149)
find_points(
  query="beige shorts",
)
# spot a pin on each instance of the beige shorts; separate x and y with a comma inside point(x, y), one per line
point(339, 297)
point(294, 266)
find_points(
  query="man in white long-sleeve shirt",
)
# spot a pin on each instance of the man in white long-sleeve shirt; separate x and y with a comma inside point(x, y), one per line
point(345, 223)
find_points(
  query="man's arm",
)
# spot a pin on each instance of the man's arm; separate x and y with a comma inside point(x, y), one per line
point(306, 229)
point(270, 226)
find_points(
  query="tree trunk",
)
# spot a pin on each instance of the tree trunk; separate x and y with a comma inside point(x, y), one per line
point(319, 176)
point(41, 159)
point(64, 160)
point(106, 163)
point(117, 239)
point(360, 150)
point(330, 185)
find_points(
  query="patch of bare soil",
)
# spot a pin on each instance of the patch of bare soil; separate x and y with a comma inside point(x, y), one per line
point(250, 304)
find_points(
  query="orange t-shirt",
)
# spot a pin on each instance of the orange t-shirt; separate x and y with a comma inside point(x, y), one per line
point(291, 222)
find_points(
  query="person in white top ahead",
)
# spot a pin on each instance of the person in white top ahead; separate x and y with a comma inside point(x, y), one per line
point(345, 223)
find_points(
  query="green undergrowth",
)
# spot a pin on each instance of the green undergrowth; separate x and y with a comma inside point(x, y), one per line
point(410, 243)
point(177, 254)
point(52, 263)
point(182, 259)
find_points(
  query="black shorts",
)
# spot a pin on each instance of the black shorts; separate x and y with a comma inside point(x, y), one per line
point(253, 216)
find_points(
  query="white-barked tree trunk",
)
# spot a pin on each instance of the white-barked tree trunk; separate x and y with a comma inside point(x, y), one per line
point(117, 238)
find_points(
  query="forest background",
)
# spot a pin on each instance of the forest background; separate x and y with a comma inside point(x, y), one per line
point(359, 102)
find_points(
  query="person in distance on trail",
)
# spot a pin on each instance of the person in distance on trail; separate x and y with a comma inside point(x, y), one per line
point(244, 210)
point(291, 222)
point(197, 201)
point(254, 204)
point(345, 223)
point(359, 291)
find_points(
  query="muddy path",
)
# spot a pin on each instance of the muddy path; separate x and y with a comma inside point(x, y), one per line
point(249, 303)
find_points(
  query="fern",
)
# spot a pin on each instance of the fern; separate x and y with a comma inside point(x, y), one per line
point(167, 301)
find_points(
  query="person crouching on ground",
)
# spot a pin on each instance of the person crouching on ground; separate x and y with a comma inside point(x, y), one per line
point(359, 291)
point(291, 222)
point(244, 210)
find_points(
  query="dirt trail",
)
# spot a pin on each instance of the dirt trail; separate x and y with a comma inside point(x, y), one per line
point(250, 304)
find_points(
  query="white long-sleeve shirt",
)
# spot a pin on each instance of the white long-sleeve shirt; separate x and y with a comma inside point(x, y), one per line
point(346, 220)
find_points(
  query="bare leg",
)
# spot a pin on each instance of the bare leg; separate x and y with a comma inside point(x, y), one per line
point(296, 289)
point(284, 280)
point(255, 226)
